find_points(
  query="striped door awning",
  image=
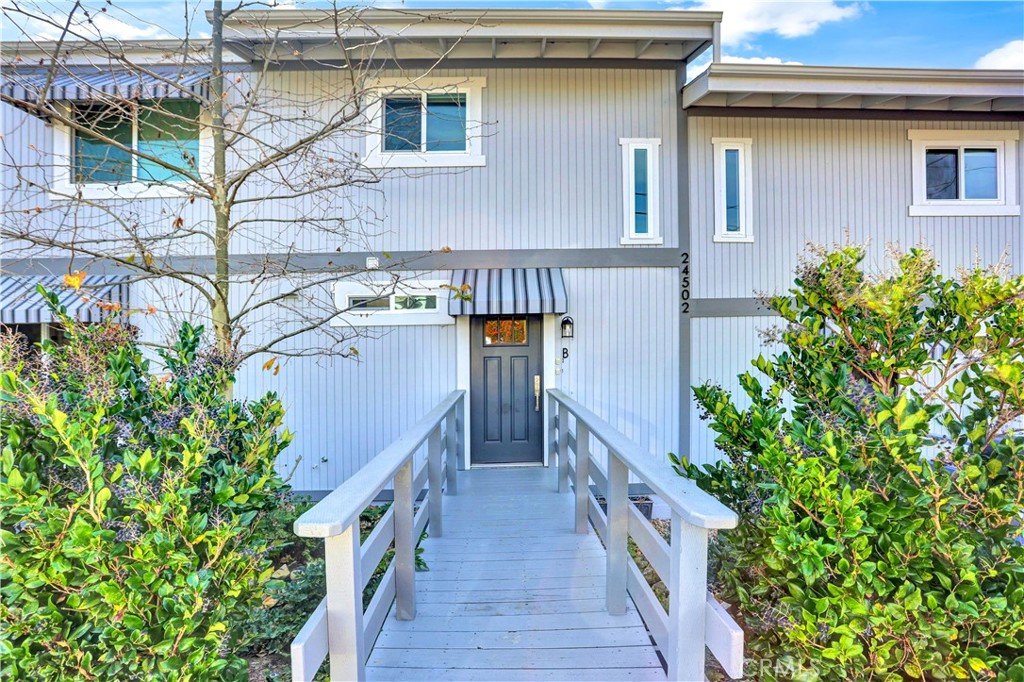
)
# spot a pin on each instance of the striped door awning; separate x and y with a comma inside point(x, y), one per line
point(99, 294)
point(174, 82)
point(518, 291)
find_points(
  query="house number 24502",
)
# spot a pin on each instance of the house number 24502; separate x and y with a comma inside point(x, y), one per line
point(684, 283)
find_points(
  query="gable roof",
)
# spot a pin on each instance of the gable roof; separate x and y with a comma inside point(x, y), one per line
point(841, 87)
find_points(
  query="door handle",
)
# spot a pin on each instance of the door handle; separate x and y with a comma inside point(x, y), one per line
point(536, 393)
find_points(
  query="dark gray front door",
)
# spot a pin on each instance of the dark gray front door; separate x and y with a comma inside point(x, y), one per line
point(505, 414)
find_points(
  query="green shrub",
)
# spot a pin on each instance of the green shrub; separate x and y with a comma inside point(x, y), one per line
point(135, 509)
point(289, 599)
point(881, 510)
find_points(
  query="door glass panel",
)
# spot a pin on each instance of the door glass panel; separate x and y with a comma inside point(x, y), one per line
point(505, 332)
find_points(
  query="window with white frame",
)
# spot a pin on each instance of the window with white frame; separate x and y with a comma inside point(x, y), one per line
point(733, 190)
point(150, 148)
point(408, 302)
point(640, 190)
point(964, 172)
point(430, 122)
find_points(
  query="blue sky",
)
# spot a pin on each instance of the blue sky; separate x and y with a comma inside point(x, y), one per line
point(979, 33)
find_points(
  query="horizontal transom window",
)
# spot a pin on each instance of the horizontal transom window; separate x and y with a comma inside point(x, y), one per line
point(389, 303)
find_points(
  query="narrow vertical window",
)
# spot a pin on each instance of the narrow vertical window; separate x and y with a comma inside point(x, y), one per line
point(640, 191)
point(732, 186)
point(732, 190)
point(640, 196)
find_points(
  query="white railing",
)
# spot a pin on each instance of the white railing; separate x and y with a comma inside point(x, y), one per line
point(694, 618)
point(340, 628)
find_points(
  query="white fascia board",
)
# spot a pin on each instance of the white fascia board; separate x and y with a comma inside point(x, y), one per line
point(851, 82)
point(475, 24)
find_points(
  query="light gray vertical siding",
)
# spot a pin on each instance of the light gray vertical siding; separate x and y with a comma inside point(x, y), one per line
point(828, 182)
point(553, 175)
point(343, 411)
point(624, 360)
point(723, 348)
point(623, 364)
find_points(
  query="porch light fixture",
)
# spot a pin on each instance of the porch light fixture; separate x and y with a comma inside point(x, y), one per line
point(567, 327)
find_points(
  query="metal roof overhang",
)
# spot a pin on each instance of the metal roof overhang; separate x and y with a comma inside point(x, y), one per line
point(512, 291)
point(829, 87)
point(99, 296)
point(471, 34)
point(25, 87)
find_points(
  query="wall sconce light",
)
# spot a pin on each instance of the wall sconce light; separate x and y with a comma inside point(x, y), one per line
point(567, 327)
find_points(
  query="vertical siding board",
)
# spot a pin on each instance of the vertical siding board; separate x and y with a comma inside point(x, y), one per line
point(816, 180)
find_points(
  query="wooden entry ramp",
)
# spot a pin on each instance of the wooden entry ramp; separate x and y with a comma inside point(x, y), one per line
point(513, 593)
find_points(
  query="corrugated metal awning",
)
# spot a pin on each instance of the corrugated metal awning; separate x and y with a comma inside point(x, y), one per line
point(519, 291)
point(22, 304)
point(174, 82)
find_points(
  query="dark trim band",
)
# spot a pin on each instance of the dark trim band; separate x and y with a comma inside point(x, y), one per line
point(730, 307)
point(347, 262)
point(862, 114)
point(488, 63)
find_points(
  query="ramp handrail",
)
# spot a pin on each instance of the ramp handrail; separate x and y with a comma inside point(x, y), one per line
point(340, 629)
point(694, 619)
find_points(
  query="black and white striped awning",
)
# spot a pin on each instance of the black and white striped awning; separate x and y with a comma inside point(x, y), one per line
point(157, 82)
point(518, 291)
point(97, 298)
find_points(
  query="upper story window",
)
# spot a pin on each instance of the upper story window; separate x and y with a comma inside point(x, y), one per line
point(733, 190)
point(430, 122)
point(640, 191)
point(121, 154)
point(964, 172)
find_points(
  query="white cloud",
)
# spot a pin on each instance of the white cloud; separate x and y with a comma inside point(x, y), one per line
point(102, 26)
point(1009, 56)
point(694, 69)
point(744, 19)
point(755, 60)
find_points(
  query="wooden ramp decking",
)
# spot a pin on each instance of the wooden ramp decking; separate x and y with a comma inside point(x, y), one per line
point(512, 594)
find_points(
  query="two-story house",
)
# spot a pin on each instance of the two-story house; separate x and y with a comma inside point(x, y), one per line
point(614, 223)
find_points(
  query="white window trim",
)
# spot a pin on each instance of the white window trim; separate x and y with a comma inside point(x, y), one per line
point(472, 88)
point(1005, 144)
point(743, 145)
point(629, 234)
point(63, 188)
point(344, 290)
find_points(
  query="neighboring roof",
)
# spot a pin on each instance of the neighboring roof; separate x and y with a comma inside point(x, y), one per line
point(840, 87)
point(512, 291)
point(29, 53)
point(474, 34)
point(99, 297)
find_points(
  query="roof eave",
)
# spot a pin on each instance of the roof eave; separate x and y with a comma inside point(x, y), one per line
point(825, 87)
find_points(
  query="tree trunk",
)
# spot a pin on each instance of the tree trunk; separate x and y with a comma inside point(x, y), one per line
point(220, 314)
